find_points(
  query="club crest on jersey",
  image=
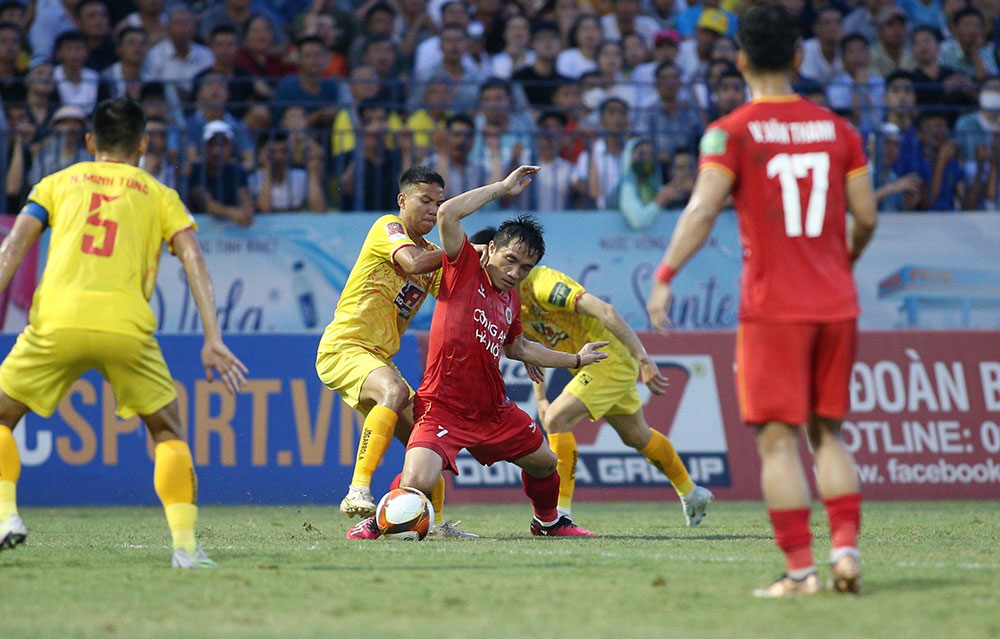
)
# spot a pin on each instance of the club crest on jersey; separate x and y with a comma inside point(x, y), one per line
point(509, 314)
point(395, 231)
point(713, 142)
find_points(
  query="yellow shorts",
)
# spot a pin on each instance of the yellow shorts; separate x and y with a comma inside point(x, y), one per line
point(41, 367)
point(608, 387)
point(346, 370)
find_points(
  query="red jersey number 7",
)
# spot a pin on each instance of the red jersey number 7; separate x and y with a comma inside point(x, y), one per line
point(89, 244)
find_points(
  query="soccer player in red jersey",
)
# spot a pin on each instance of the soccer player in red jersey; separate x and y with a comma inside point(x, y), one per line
point(791, 167)
point(462, 402)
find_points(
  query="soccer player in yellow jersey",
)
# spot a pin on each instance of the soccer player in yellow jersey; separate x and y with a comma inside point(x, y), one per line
point(109, 220)
point(561, 314)
point(396, 269)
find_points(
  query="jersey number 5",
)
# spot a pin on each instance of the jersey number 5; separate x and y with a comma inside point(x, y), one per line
point(790, 168)
point(89, 245)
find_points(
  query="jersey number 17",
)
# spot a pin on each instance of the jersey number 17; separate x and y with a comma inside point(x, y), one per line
point(790, 168)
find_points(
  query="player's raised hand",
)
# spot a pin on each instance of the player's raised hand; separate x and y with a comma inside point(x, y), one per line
point(589, 353)
point(651, 376)
point(656, 307)
point(535, 373)
point(216, 356)
point(519, 179)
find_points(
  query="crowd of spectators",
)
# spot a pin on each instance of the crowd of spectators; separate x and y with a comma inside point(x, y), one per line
point(259, 106)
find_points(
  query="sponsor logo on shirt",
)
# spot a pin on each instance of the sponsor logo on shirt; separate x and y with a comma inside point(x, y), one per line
point(409, 298)
point(559, 295)
point(551, 334)
point(395, 231)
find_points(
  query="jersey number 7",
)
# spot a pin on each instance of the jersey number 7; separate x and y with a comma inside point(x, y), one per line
point(790, 168)
point(89, 245)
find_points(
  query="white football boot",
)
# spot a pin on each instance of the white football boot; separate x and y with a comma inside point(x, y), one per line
point(183, 559)
point(695, 503)
point(12, 532)
point(359, 501)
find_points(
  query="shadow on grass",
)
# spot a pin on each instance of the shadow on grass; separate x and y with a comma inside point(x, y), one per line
point(911, 584)
point(397, 569)
point(687, 537)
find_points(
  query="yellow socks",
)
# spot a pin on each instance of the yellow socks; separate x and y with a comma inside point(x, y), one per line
point(177, 487)
point(376, 435)
point(437, 500)
point(10, 471)
point(564, 446)
point(660, 453)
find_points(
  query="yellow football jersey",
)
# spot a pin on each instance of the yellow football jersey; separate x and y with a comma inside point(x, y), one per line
point(379, 298)
point(549, 316)
point(109, 221)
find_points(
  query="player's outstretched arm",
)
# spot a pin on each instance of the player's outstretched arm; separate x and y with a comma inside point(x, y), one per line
point(529, 352)
point(416, 261)
point(711, 188)
point(864, 214)
point(215, 355)
point(15, 246)
point(609, 316)
point(452, 211)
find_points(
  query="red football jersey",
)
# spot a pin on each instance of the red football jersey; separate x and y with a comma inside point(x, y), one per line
point(471, 325)
point(790, 159)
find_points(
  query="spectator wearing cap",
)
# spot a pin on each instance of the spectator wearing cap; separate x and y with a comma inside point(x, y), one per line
point(598, 169)
point(126, 77)
point(891, 51)
point(924, 13)
point(177, 59)
point(501, 130)
point(218, 185)
point(937, 164)
point(52, 19)
point(895, 192)
point(665, 45)
point(211, 105)
point(454, 161)
point(92, 16)
point(11, 82)
point(516, 52)
point(930, 75)
point(236, 13)
point(671, 124)
point(968, 50)
point(551, 191)
point(539, 81)
point(464, 79)
point(76, 83)
point(821, 59)
point(626, 18)
point(65, 144)
point(857, 90)
point(688, 20)
point(696, 53)
point(584, 39)
point(224, 43)
point(320, 96)
point(148, 16)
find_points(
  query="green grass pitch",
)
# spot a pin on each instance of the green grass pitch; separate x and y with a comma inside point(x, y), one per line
point(932, 569)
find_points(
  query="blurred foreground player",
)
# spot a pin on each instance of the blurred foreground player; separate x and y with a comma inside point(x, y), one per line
point(109, 220)
point(791, 167)
point(558, 312)
point(462, 402)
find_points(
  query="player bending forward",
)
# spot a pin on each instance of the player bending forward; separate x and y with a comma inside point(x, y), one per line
point(790, 166)
point(109, 219)
point(557, 311)
point(462, 402)
point(391, 278)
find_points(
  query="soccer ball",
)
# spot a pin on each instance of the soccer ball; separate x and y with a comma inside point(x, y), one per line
point(404, 513)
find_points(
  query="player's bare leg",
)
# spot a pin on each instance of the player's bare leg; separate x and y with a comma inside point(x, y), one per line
point(786, 495)
point(388, 395)
point(12, 529)
point(176, 485)
point(658, 450)
point(564, 413)
point(837, 481)
point(541, 485)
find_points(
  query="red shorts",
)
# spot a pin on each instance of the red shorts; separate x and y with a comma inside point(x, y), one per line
point(510, 438)
point(787, 371)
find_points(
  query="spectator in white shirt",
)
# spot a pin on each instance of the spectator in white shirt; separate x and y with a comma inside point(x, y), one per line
point(821, 54)
point(626, 18)
point(178, 59)
point(428, 56)
point(582, 56)
point(77, 84)
point(598, 170)
point(515, 54)
point(52, 19)
point(126, 77)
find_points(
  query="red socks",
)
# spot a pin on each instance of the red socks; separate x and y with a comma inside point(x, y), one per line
point(544, 495)
point(395, 482)
point(792, 535)
point(845, 519)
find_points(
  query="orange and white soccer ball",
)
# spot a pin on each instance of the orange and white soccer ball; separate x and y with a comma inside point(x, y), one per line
point(405, 514)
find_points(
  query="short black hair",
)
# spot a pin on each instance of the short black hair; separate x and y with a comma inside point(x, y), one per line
point(573, 42)
point(898, 74)
point(967, 11)
point(269, 137)
point(768, 34)
point(127, 31)
point(608, 101)
point(222, 28)
point(152, 90)
point(119, 125)
point(544, 26)
point(370, 105)
point(493, 82)
point(70, 36)
point(853, 37)
point(524, 229)
point(13, 27)
point(78, 9)
point(666, 64)
point(311, 39)
point(459, 118)
point(12, 4)
point(731, 72)
point(483, 236)
point(559, 115)
point(379, 7)
point(375, 39)
point(420, 175)
point(936, 33)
